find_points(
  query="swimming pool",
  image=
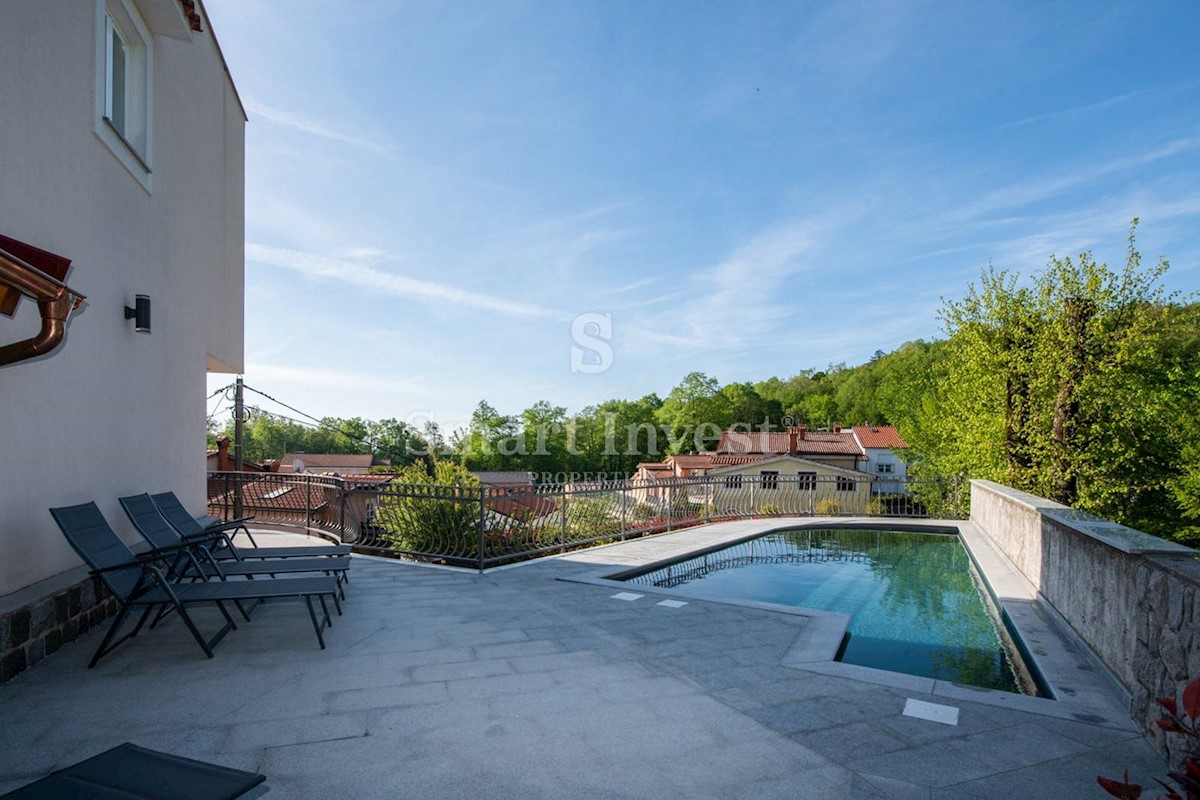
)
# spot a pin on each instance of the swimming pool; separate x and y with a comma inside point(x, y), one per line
point(917, 604)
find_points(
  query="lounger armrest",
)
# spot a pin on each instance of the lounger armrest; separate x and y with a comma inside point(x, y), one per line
point(143, 560)
point(233, 523)
point(202, 536)
point(182, 547)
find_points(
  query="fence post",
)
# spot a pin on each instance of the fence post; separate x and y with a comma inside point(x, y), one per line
point(624, 497)
point(710, 498)
point(562, 534)
point(482, 492)
point(670, 503)
point(342, 509)
point(307, 503)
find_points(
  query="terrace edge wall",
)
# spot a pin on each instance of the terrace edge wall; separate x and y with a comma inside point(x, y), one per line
point(42, 619)
point(1134, 598)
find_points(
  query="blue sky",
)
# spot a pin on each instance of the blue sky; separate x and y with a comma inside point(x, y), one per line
point(435, 191)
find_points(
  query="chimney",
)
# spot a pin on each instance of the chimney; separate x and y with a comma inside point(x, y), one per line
point(795, 436)
point(223, 462)
point(837, 428)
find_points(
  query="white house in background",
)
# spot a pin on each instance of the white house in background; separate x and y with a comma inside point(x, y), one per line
point(122, 150)
point(881, 444)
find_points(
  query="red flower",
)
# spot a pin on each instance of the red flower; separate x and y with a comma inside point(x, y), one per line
point(1169, 704)
point(1125, 791)
point(1191, 699)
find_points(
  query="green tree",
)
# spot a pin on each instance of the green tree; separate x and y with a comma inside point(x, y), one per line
point(1071, 388)
point(696, 401)
point(745, 406)
point(432, 511)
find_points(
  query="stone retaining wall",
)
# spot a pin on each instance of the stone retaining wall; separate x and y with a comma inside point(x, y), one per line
point(1134, 598)
point(1166, 650)
point(43, 625)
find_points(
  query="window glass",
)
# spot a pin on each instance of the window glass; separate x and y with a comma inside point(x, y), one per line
point(770, 479)
point(123, 80)
point(115, 104)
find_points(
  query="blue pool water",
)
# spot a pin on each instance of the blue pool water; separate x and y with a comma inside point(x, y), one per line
point(915, 602)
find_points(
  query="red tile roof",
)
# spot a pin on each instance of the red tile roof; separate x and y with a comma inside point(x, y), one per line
point(374, 479)
point(520, 505)
point(314, 462)
point(882, 436)
point(272, 494)
point(189, 10)
point(727, 460)
point(814, 442)
point(693, 460)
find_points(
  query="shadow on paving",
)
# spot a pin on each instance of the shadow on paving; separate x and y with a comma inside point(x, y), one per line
point(514, 684)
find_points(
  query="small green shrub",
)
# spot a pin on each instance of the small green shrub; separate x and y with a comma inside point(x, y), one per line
point(645, 511)
point(827, 507)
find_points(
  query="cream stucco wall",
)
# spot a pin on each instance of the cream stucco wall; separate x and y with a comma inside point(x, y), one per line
point(790, 496)
point(111, 411)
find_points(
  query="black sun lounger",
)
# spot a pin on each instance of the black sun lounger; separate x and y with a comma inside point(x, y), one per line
point(142, 581)
point(188, 527)
point(129, 772)
point(197, 560)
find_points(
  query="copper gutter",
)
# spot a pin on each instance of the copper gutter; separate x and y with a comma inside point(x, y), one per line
point(55, 302)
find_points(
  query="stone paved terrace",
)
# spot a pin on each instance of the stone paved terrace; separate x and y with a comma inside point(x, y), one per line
point(515, 684)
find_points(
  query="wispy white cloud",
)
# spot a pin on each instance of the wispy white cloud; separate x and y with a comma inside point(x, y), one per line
point(1025, 193)
point(629, 287)
point(435, 294)
point(258, 110)
point(1072, 112)
point(367, 381)
point(743, 300)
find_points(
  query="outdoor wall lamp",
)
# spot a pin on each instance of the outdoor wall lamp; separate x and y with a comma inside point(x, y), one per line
point(140, 313)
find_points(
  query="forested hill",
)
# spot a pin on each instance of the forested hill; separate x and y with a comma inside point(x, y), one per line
point(1082, 385)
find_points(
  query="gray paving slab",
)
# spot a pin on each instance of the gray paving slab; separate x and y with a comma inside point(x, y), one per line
point(518, 684)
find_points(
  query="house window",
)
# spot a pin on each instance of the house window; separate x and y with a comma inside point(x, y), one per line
point(123, 85)
point(884, 469)
point(769, 480)
point(733, 481)
point(845, 484)
point(806, 481)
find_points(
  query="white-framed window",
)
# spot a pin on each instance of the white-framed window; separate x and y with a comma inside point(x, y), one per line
point(733, 481)
point(769, 479)
point(124, 69)
point(806, 481)
point(845, 484)
point(884, 469)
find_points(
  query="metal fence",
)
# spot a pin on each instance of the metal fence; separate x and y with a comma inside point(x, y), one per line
point(484, 526)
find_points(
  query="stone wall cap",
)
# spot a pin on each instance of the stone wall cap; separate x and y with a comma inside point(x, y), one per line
point(1120, 537)
point(35, 592)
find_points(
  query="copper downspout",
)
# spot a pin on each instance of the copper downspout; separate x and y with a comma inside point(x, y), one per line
point(55, 302)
